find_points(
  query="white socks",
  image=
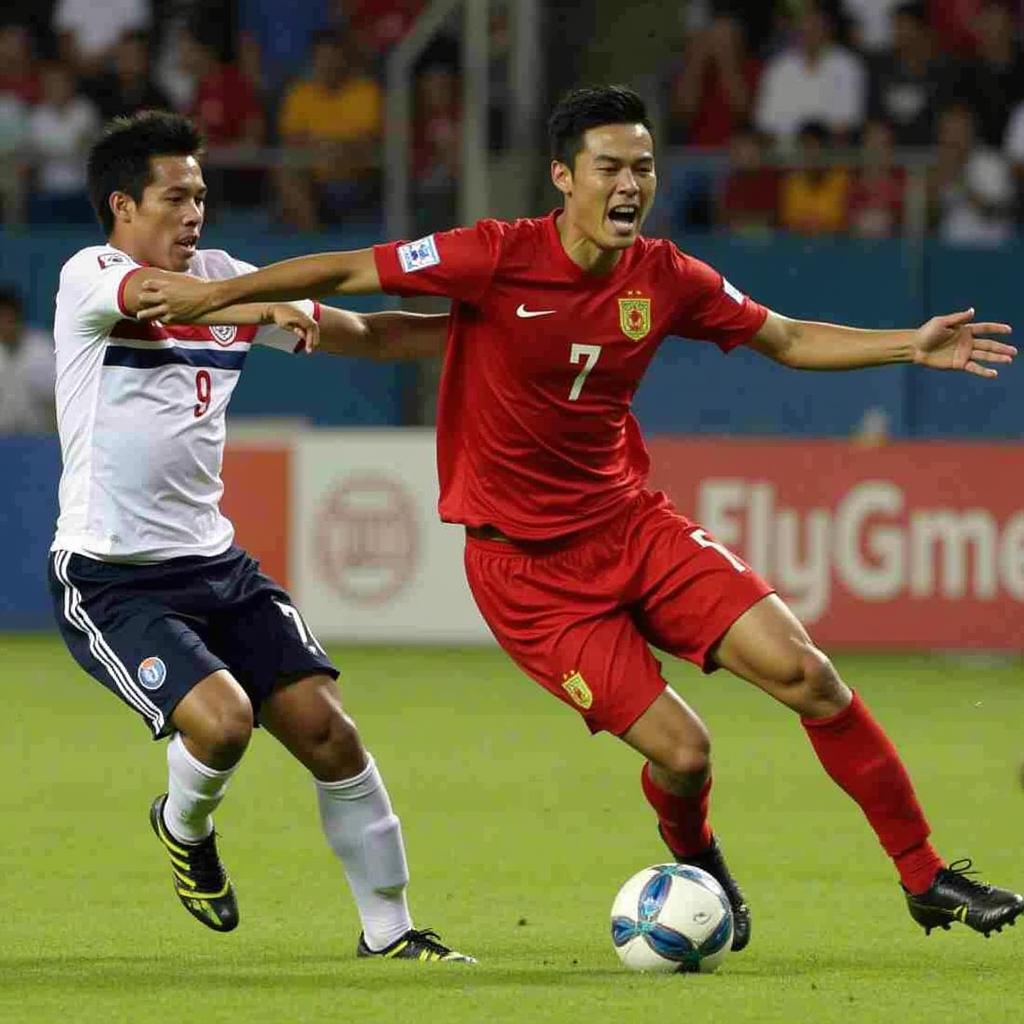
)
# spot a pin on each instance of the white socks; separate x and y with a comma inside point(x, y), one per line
point(193, 792)
point(366, 836)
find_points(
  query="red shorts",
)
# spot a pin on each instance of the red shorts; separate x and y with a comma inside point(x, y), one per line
point(578, 617)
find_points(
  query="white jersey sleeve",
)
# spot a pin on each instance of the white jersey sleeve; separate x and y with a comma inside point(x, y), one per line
point(92, 288)
point(270, 334)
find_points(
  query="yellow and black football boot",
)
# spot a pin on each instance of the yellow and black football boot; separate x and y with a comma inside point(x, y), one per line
point(200, 881)
point(425, 945)
point(955, 897)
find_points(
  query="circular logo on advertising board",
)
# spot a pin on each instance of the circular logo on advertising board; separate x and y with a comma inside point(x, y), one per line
point(367, 538)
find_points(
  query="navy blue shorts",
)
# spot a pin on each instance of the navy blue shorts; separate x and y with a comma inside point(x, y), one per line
point(149, 633)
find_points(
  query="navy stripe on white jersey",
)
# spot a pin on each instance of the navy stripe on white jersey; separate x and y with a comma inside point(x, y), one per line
point(140, 408)
point(147, 358)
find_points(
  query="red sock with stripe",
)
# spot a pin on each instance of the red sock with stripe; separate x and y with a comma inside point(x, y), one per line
point(683, 819)
point(855, 751)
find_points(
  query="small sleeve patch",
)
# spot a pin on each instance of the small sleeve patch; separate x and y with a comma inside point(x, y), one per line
point(112, 259)
point(733, 292)
point(418, 255)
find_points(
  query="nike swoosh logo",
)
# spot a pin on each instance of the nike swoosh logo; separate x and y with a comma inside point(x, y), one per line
point(528, 314)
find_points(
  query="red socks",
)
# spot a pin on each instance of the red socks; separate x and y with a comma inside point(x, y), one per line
point(683, 819)
point(860, 758)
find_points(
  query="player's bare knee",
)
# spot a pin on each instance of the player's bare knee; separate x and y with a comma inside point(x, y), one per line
point(333, 749)
point(226, 733)
point(819, 692)
point(687, 762)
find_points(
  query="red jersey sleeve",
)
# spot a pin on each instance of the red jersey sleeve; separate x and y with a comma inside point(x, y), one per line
point(459, 263)
point(709, 308)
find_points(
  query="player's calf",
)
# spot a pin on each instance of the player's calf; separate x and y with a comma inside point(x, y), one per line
point(199, 877)
point(955, 897)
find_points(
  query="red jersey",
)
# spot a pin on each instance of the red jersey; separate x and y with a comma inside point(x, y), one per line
point(535, 434)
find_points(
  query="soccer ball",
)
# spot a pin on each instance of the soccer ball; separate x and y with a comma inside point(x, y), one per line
point(672, 917)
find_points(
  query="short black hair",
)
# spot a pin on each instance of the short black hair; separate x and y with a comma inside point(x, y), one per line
point(120, 160)
point(590, 107)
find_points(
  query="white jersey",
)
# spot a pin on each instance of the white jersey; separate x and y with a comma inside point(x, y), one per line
point(140, 411)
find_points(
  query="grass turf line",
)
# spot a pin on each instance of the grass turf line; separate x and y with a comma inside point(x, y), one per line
point(519, 828)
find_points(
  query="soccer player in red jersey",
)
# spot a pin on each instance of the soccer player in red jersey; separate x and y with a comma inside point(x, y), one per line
point(574, 564)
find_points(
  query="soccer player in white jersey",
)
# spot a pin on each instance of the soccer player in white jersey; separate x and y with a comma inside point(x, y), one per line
point(152, 597)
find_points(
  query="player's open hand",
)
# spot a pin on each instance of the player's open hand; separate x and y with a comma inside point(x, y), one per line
point(302, 325)
point(954, 342)
point(175, 298)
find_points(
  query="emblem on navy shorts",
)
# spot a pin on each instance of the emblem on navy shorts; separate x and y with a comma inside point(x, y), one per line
point(223, 334)
point(152, 673)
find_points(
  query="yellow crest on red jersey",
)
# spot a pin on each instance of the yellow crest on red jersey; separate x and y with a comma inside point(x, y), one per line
point(576, 686)
point(635, 316)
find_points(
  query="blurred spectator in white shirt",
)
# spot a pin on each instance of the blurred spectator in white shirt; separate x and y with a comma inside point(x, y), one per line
point(60, 131)
point(971, 186)
point(872, 23)
point(814, 80)
point(1013, 150)
point(88, 30)
point(27, 371)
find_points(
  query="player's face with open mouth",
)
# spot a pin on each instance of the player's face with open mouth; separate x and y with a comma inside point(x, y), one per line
point(613, 184)
point(169, 219)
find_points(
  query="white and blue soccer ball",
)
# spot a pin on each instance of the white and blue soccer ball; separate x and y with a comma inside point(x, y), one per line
point(672, 918)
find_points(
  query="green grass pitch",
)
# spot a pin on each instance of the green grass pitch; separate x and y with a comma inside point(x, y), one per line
point(520, 827)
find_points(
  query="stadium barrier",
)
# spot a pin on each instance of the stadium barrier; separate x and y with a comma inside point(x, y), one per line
point(909, 545)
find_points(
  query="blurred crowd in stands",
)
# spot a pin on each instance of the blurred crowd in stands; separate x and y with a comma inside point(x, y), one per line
point(832, 112)
point(304, 79)
point(808, 116)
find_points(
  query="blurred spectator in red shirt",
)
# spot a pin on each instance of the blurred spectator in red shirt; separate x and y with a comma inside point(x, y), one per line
point(876, 196)
point(749, 200)
point(18, 72)
point(953, 21)
point(713, 91)
point(129, 87)
point(378, 24)
point(227, 109)
point(225, 104)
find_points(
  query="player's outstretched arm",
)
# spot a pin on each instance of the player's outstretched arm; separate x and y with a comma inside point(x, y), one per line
point(950, 342)
point(382, 336)
point(287, 317)
point(182, 299)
